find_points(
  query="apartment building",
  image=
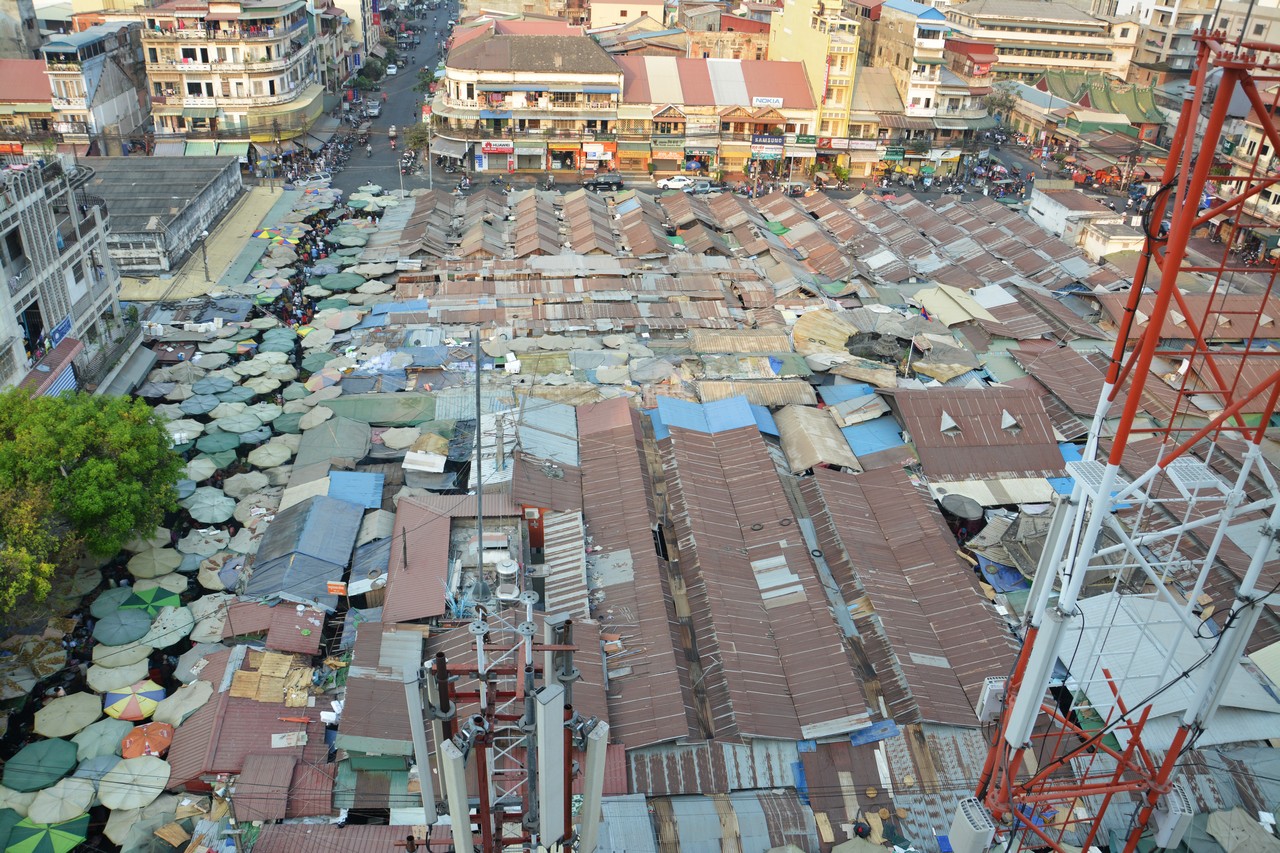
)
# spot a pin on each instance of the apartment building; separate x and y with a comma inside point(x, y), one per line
point(19, 30)
point(60, 283)
point(826, 41)
point(527, 95)
point(98, 81)
point(237, 74)
point(608, 13)
point(26, 104)
point(909, 39)
point(1033, 36)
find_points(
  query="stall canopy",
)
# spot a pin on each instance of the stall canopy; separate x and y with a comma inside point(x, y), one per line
point(305, 547)
point(454, 148)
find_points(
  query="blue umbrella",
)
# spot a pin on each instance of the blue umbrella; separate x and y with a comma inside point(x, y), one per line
point(256, 436)
point(185, 487)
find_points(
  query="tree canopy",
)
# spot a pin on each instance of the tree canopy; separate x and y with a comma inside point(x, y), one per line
point(78, 473)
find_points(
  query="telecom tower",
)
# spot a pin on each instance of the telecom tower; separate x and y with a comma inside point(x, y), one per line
point(1148, 522)
point(504, 715)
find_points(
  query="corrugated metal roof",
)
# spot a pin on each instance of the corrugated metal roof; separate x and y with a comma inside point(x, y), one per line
point(625, 826)
point(769, 392)
point(713, 767)
point(810, 438)
point(740, 821)
point(295, 628)
point(418, 574)
point(548, 430)
point(311, 791)
point(306, 546)
point(262, 789)
point(718, 416)
point(361, 488)
point(564, 553)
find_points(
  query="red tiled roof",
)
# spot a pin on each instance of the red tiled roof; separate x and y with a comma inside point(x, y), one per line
point(979, 446)
point(262, 788)
point(24, 82)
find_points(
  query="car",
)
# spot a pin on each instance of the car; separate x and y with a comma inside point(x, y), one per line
point(392, 70)
point(675, 182)
point(315, 181)
point(417, 40)
point(374, 109)
point(603, 184)
point(699, 188)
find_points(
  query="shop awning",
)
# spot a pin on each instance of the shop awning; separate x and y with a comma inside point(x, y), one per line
point(287, 146)
point(169, 148)
point(378, 51)
point(901, 122)
point(132, 372)
point(222, 16)
point(950, 123)
point(199, 112)
point(202, 148)
point(6, 110)
point(233, 149)
point(323, 130)
point(454, 148)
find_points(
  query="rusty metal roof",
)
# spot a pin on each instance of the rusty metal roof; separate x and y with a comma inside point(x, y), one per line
point(262, 788)
point(771, 656)
point(935, 638)
point(712, 767)
point(975, 434)
point(311, 790)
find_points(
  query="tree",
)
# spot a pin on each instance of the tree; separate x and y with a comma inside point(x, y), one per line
point(78, 473)
point(417, 136)
point(1001, 101)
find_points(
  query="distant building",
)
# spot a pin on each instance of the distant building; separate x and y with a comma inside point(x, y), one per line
point(99, 87)
point(61, 282)
point(26, 104)
point(607, 13)
point(909, 41)
point(1066, 213)
point(737, 38)
point(19, 30)
point(826, 41)
point(695, 18)
point(643, 37)
point(527, 95)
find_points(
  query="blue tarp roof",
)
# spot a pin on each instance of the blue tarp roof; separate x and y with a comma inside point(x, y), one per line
point(362, 488)
point(873, 436)
point(401, 306)
point(764, 420)
point(833, 394)
point(232, 309)
point(709, 418)
point(426, 356)
point(305, 547)
point(370, 557)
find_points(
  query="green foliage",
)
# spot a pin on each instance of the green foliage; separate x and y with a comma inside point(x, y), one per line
point(417, 136)
point(91, 471)
point(1001, 101)
point(30, 550)
point(841, 173)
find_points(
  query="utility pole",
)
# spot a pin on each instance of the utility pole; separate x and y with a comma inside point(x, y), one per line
point(204, 253)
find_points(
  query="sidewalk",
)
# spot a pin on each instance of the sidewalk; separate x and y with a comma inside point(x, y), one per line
point(223, 247)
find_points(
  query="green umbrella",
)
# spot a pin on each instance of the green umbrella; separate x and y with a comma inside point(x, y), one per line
point(287, 423)
point(238, 394)
point(267, 297)
point(8, 820)
point(101, 738)
point(331, 302)
point(151, 600)
point(278, 345)
point(341, 281)
point(209, 505)
point(297, 390)
point(221, 459)
point(40, 764)
point(212, 385)
point(154, 563)
point(199, 404)
point(218, 442)
point(28, 837)
point(124, 626)
point(279, 333)
point(109, 601)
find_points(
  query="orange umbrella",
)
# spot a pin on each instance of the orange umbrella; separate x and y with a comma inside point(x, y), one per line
point(151, 739)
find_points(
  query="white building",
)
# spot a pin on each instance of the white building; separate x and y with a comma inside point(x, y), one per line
point(1065, 213)
point(99, 84)
point(609, 13)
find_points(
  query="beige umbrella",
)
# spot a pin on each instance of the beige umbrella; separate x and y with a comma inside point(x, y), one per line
point(119, 822)
point(269, 455)
point(204, 541)
point(43, 656)
point(67, 715)
point(243, 485)
point(272, 358)
point(101, 738)
point(252, 368)
point(173, 582)
point(317, 338)
point(157, 538)
point(265, 412)
point(16, 679)
point(200, 469)
point(19, 801)
point(68, 799)
point(315, 417)
point(228, 410)
point(206, 605)
point(134, 782)
point(333, 392)
point(121, 655)
point(208, 629)
point(262, 384)
point(154, 563)
point(178, 392)
point(171, 626)
point(104, 678)
point(184, 702)
point(257, 507)
point(1239, 832)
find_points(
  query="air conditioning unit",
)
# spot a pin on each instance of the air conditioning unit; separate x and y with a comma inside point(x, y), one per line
point(991, 698)
point(972, 829)
point(1173, 815)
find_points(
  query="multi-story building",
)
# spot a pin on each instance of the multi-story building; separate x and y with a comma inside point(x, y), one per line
point(19, 30)
point(1031, 37)
point(26, 105)
point(826, 41)
point(527, 95)
point(644, 37)
point(608, 13)
point(716, 115)
point(99, 86)
point(59, 281)
point(1165, 48)
point(238, 72)
point(737, 38)
point(909, 40)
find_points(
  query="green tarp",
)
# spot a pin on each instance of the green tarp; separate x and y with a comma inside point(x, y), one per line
point(398, 409)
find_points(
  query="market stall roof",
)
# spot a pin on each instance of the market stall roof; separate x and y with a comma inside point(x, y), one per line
point(305, 547)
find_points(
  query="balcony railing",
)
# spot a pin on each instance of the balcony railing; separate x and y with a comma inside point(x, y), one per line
point(63, 66)
point(215, 65)
point(69, 104)
point(229, 101)
point(92, 366)
point(541, 106)
point(19, 280)
point(962, 112)
point(534, 133)
point(228, 35)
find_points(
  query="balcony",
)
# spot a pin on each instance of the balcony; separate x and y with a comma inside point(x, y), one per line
point(72, 67)
point(221, 102)
point(962, 112)
point(69, 104)
point(98, 360)
point(537, 134)
point(20, 279)
point(175, 65)
point(529, 110)
point(224, 36)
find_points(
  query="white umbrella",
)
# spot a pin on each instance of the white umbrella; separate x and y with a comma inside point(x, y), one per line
point(19, 801)
point(173, 582)
point(184, 430)
point(265, 412)
point(101, 738)
point(228, 410)
point(215, 360)
point(68, 799)
point(243, 485)
point(67, 715)
point(155, 562)
point(122, 655)
point(134, 782)
point(170, 626)
point(315, 417)
point(119, 822)
point(269, 455)
point(205, 542)
point(262, 384)
point(252, 368)
point(184, 702)
point(317, 338)
point(201, 468)
point(104, 678)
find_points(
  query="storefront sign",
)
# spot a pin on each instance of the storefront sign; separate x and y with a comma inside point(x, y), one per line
point(766, 139)
point(894, 153)
point(530, 151)
point(498, 146)
point(765, 152)
point(801, 151)
point(863, 144)
point(481, 160)
point(766, 102)
point(668, 143)
point(701, 128)
point(827, 143)
point(700, 151)
point(804, 139)
point(60, 331)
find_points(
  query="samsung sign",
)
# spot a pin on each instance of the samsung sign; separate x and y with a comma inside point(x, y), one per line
point(766, 102)
point(764, 139)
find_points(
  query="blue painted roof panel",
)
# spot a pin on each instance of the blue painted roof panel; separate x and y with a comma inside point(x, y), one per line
point(362, 488)
point(873, 436)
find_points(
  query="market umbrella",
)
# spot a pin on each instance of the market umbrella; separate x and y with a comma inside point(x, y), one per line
point(215, 360)
point(243, 485)
point(278, 346)
point(174, 583)
point(218, 442)
point(121, 655)
point(282, 372)
point(8, 820)
point(265, 412)
point(152, 390)
point(342, 281)
point(256, 436)
point(67, 715)
point(158, 537)
point(226, 410)
point(184, 702)
point(261, 384)
point(44, 656)
point(184, 488)
point(155, 562)
point(135, 702)
point(315, 417)
point(184, 430)
point(104, 678)
point(30, 837)
point(38, 765)
point(123, 626)
point(95, 768)
point(199, 404)
point(217, 346)
point(209, 505)
point(200, 469)
point(223, 459)
point(238, 394)
point(332, 301)
point(101, 738)
point(204, 541)
point(16, 801)
point(269, 455)
point(323, 378)
point(16, 679)
point(178, 391)
point(149, 739)
point(212, 385)
point(172, 625)
point(151, 600)
point(313, 361)
point(68, 799)
point(236, 424)
point(1239, 832)
point(343, 320)
point(109, 601)
point(288, 423)
point(134, 782)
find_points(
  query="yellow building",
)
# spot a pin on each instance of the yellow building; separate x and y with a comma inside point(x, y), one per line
point(827, 43)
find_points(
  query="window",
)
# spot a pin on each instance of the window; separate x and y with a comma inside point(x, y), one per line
point(1124, 32)
point(1223, 23)
point(1259, 29)
point(622, 13)
point(152, 56)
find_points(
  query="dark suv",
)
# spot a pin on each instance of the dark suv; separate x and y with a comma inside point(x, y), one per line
point(603, 184)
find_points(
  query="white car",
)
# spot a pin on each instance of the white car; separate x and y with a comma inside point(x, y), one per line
point(392, 70)
point(675, 182)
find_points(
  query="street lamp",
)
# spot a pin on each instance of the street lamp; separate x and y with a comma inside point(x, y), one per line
point(204, 253)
